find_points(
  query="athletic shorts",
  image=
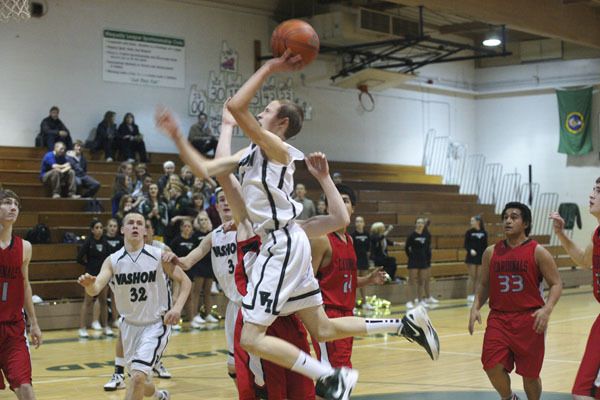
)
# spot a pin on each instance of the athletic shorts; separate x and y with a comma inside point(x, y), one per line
point(336, 353)
point(230, 317)
point(587, 381)
point(258, 379)
point(143, 345)
point(15, 361)
point(511, 341)
point(282, 280)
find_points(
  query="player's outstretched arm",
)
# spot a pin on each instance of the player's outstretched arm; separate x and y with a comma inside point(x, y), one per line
point(482, 289)
point(271, 144)
point(550, 273)
point(198, 253)
point(94, 284)
point(173, 316)
point(34, 330)
point(229, 183)
point(200, 165)
point(582, 257)
point(338, 217)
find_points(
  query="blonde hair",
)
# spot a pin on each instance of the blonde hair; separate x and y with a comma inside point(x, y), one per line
point(377, 228)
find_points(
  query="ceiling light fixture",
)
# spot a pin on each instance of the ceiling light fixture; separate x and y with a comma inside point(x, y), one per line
point(491, 41)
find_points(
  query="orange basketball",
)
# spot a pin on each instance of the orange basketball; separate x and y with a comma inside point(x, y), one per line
point(299, 37)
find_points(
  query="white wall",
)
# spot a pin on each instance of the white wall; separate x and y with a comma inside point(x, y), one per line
point(57, 60)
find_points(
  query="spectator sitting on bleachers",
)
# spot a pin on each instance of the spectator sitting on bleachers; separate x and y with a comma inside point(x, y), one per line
point(142, 193)
point(56, 172)
point(131, 140)
point(197, 203)
point(120, 188)
point(337, 178)
point(169, 169)
point(200, 186)
point(126, 168)
point(155, 210)
point(106, 135)
point(179, 207)
point(379, 248)
point(201, 136)
point(186, 176)
point(87, 185)
point(321, 207)
point(308, 205)
point(53, 130)
point(125, 206)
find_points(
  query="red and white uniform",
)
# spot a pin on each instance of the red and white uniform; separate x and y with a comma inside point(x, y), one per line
point(515, 292)
point(15, 361)
point(587, 381)
point(338, 282)
point(258, 378)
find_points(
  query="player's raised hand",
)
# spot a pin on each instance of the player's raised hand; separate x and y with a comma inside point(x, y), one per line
point(229, 226)
point(226, 117)
point(474, 315)
point(542, 316)
point(165, 121)
point(287, 62)
point(317, 165)
point(378, 276)
point(172, 317)
point(558, 223)
point(36, 335)
point(86, 280)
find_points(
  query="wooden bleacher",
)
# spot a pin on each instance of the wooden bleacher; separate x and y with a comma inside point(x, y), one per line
point(393, 194)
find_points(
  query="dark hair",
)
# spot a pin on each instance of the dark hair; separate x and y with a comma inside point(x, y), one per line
point(108, 115)
point(94, 222)
point(122, 166)
point(119, 185)
point(293, 112)
point(481, 223)
point(347, 190)
point(54, 108)
point(129, 115)
point(525, 213)
point(9, 194)
point(202, 114)
point(217, 191)
point(598, 180)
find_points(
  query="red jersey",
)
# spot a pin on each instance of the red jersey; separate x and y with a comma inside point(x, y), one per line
point(596, 263)
point(338, 279)
point(247, 251)
point(515, 278)
point(12, 290)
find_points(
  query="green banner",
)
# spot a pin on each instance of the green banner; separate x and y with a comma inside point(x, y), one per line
point(575, 110)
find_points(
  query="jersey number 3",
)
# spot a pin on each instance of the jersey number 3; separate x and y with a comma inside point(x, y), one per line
point(138, 294)
point(511, 283)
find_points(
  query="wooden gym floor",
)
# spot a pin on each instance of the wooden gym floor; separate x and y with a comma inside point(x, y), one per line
point(65, 367)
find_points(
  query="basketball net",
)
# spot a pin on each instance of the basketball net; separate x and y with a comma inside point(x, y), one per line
point(365, 99)
point(14, 10)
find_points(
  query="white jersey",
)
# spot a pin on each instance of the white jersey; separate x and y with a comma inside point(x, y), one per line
point(141, 286)
point(224, 259)
point(267, 188)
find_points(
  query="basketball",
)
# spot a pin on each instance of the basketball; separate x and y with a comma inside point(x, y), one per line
point(299, 37)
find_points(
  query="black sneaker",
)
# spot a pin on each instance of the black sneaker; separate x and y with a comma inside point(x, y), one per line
point(416, 327)
point(338, 385)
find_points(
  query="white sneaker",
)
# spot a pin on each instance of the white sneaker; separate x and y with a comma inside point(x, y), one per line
point(423, 303)
point(195, 325)
point(161, 371)
point(96, 326)
point(338, 385)
point(410, 305)
point(176, 327)
point(108, 331)
point(83, 333)
point(214, 289)
point(432, 300)
point(56, 196)
point(117, 323)
point(163, 395)
point(416, 327)
point(210, 319)
point(471, 298)
point(198, 319)
point(109, 159)
point(117, 381)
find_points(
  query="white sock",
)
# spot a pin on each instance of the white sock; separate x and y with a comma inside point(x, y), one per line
point(383, 325)
point(119, 362)
point(310, 367)
point(157, 394)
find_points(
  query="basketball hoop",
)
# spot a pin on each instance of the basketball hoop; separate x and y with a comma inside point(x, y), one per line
point(14, 10)
point(365, 98)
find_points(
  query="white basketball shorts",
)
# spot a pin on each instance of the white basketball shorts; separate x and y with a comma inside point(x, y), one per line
point(143, 345)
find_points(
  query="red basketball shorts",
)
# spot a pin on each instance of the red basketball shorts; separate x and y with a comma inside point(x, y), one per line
point(15, 361)
point(587, 381)
point(338, 352)
point(255, 375)
point(511, 341)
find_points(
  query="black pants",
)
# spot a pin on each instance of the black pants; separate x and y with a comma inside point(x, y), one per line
point(205, 146)
point(51, 139)
point(388, 264)
point(106, 143)
point(131, 147)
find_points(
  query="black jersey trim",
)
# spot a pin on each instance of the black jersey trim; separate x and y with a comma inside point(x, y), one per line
point(262, 275)
point(280, 185)
point(305, 295)
point(154, 356)
point(288, 250)
point(269, 195)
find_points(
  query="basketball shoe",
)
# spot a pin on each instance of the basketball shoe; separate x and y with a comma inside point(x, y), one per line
point(117, 381)
point(161, 371)
point(338, 385)
point(416, 327)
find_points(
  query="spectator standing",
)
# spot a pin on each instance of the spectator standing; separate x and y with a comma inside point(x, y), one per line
point(126, 205)
point(205, 275)
point(418, 251)
point(91, 255)
point(362, 245)
point(308, 205)
point(87, 185)
point(106, 134)
point(201, 136)
point(56, 172)
point(476, 241)
point(131, 140)
point(53, 130)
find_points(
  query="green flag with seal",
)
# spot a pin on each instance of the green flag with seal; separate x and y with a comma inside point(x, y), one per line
point(575, 109)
